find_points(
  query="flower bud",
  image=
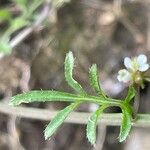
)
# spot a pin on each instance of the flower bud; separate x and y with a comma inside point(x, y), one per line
point(138, 79)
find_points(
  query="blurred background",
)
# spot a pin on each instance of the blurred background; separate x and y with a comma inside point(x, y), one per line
point(35, 35)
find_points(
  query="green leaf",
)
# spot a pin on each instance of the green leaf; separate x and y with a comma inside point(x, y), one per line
point(131, 94)
point(5, 15)
point(125, 125)
point(94, 80)
point(23, 5)
point(58, 120)
point(43, 96)
point(21, 2)
point(34, 5)
point(5, 48)
point(69, 63)
point(91, 125)
point(18, 23)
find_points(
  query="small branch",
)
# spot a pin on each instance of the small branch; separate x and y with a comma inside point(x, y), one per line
point(110, 119)
point(27, 31)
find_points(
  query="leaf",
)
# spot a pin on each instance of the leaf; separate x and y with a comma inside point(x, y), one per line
point(5, 48)
point(43, 96)
point(125, 125)
point(58, 120)
point(94, 80)
point(131, 94)
point(21, 2)
point(5, 15)
point(91, 125)
point(69, 63)
point(18, 23)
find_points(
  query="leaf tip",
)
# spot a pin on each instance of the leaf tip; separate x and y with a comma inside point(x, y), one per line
point(69, 60)
point(69, 55)
point(93, 67)
point(46, 134)
point(122, 139)
point(91, 140)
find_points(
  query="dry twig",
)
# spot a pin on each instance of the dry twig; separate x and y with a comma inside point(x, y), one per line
point(111, 119)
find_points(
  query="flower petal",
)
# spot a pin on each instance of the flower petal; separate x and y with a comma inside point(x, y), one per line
point(141, 59)
point(127, 78)
point(119, 78)
point(127, 62)
point(144, 67)
point(124, 76)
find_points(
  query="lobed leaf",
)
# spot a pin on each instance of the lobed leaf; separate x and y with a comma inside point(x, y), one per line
point(58, 120)
point(125, 125)
point(94, 80)
point(91, 125)
point(69, 63)
point(43, 96)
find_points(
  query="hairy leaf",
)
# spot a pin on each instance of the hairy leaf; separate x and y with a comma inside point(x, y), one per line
point(58, 120)
point(94, 80)
point(91, 125)
point(43, 96)
point(69, 63)
point(125, 125)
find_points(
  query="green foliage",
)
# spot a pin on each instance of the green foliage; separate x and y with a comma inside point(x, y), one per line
point(4, 15)
point(59, 119)
point(92, 123)
point(43, 96)
point(21, 3)
point(4, 46)
point(131, 94)
point(80, 97)
point(94, 80)
point(25, 18)
point(69, 63)
point(125, 125)
point(18, 23)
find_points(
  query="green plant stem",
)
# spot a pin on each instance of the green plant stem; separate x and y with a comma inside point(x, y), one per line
point(136, 103)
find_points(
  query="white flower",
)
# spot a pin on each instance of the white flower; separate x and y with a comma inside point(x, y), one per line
point(137, 63)
point(124, 76)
